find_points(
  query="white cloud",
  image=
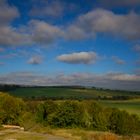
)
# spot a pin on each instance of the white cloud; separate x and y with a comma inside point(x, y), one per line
point(109, 80)
point(35, 60)
point(104, 21)
point(12, 36)
point(86, 26)
point(7, 13)
point(123, 77)
point(79, 58)
point(44, 33)
point(74, 32)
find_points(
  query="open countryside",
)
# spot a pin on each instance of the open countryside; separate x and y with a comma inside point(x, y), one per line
point(69, 69)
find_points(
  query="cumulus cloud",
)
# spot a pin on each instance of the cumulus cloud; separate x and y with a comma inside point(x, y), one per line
point(79, 58)
point(123, 77)
point(85, 26)
point(104, 21)
point(35, 60)
point(44, 33)
point(36, 32)
point(12, 36)
point(75, 33)
point(118, 60)
point(108, 80)
point(7, 13)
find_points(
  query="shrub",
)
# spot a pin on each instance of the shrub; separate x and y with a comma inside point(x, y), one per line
point(11, 109)
point(44, 110)
point(68, 114)
point(123, 123)
point(97, 115)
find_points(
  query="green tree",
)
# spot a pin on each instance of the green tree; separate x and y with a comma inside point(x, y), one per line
point(68, 114)
point(45, 109)
point(11, 109)
point(97, 115)
point(123, 123)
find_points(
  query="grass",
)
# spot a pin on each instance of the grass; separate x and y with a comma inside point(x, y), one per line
point(58, 92)
point(19, 135)
point(131, 106)
point(62, 134)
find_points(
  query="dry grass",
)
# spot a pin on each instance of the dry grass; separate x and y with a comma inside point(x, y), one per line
point(19, 135)
point(39, 133)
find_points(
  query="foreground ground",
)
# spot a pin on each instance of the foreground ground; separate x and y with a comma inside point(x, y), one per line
point(24, 135)
point(62, 134)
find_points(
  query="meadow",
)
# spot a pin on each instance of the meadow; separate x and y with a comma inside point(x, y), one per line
point(124, 100)
point(62, 118)
point(71, 92)
point(132, 106)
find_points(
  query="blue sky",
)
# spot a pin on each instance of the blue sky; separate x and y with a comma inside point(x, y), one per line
point(84, 42)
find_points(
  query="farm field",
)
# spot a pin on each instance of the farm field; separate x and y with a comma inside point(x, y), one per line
point(130, 101)
point(68, 93)
point(131, 106)
point(31, 117)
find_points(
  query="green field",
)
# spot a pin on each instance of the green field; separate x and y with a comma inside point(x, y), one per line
point(131, 106)
point(109, 98)
point(58, 92)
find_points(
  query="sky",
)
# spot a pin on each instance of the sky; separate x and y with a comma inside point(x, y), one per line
point(70, 42)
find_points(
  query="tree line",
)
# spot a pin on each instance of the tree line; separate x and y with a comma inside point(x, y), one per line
point(68, 114)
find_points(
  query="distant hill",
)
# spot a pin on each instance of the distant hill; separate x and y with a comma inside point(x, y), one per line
point(67, 92)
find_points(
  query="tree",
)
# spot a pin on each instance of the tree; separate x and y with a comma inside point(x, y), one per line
point(97, 115)
point(123, 123)
point(11, 109)
point(68, 114)
point(45, 109)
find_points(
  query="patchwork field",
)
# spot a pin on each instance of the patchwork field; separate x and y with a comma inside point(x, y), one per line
point(76, 93)
point(131, 106)
point(124, 100)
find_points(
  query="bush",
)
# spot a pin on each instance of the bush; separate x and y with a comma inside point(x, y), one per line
point(44, 110)
point(68, 114)
point(123, 123)
point(98, 117)
point(11, 109)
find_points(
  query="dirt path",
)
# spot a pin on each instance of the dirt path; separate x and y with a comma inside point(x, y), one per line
point(24, 135)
